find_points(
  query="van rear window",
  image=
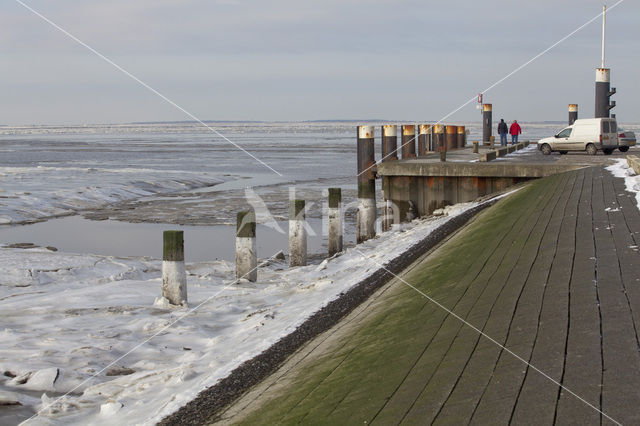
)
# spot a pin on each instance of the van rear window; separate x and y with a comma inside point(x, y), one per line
point(605, 126)
point(614, 127)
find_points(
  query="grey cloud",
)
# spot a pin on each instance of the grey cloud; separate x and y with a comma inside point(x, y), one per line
point(307, 60)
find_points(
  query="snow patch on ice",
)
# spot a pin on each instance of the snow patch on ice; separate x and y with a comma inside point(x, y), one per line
point(163, 302)
point(43, 380)
point(110, 408)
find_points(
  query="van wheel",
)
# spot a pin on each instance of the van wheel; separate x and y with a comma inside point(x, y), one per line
point(591, 149)
point(563, 152)
point(623, 148)
point(607, 151)
point(546, 149)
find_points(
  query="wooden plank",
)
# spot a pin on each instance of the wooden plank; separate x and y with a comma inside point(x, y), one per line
point(463, 402)
point(624, 217)
point(583, 367)
point(501, 395)
point(621, 366)
point(449, 350)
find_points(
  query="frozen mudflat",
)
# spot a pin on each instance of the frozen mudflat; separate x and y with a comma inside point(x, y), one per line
point(93, 327)
point(174, 172)
point(56, 171)
point(70, 189)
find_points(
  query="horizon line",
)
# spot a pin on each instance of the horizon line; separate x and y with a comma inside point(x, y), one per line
point(369, 120)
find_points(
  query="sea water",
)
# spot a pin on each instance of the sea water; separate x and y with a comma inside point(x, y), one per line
point(176, 176)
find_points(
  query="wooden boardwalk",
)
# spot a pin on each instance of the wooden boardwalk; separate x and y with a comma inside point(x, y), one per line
point(552, 273)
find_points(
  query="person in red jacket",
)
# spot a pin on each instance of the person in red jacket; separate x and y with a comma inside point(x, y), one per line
point(514, 130)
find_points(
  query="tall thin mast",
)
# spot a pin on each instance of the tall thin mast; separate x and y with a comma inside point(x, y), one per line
point(604, 20)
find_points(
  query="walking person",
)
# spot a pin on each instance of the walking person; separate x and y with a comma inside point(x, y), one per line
point(515, 130)
point(502, 131)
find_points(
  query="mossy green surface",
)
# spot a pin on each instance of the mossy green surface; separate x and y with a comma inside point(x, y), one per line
point(173, 245)
point(386, 368)
point(246, 224)
point(296, 209)
point(335, 197)
point(367, 189)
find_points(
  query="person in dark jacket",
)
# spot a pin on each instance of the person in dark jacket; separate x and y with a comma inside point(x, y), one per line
point(515, 130)
point(502, 131)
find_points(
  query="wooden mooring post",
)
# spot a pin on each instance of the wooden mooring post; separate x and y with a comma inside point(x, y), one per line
point(334, 234)
point(487, 117)
point(389, 142)
point(366, 216)
point(246, 251)
point(174, 276)
point(462, 136)
point(573, 113)
point(451, 137)
point(439, 142)
point(408, 141)
point(424, 139)
point(297, 234)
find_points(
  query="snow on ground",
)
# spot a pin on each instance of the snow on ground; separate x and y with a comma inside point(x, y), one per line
point(632, 181)
point(66, 318)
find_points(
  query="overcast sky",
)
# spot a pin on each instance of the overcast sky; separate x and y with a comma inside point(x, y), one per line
point(310, 60)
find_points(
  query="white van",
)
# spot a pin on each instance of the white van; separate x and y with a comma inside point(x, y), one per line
point(590, 135)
